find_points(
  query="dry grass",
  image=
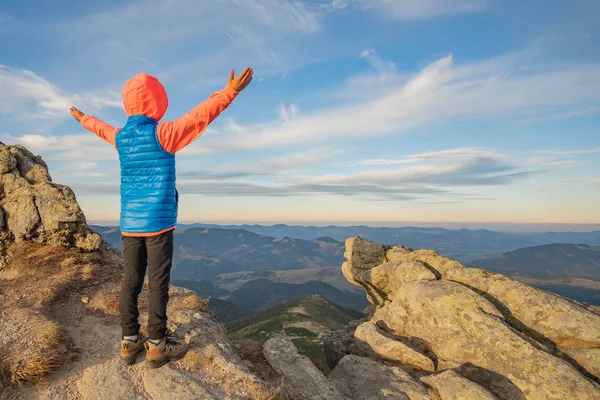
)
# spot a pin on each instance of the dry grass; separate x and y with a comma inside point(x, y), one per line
point(45, 358)
point(196, 303)
point(41, 275)
point(34, 280)
point(33, 346)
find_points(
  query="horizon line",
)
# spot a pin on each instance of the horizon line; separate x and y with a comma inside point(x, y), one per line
point(451, 225)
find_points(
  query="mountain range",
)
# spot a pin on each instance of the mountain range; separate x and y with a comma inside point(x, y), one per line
point(463, 244)
point(243, 271)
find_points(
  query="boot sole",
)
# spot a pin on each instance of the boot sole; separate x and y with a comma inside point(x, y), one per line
point(161, 362)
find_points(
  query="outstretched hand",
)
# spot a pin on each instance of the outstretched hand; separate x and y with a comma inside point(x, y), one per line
point(77, 114)
point(242, 80)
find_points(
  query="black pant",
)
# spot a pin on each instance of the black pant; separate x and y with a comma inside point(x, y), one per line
point(157, 253)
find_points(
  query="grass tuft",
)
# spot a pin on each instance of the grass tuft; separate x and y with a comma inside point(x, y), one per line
point(45, 358)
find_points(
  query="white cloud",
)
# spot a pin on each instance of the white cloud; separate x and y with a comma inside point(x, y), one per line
point(453, 167)
point(440, 92)
point(412, 9)
point(67, 148)
point(451, 154)
point(297, 159)
point(25, 94)
point(216, 33)
point(381, 66)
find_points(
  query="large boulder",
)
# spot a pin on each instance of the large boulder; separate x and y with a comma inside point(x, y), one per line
point(36, 209)
point(360, 378)
point(376, 343)
point(300, 378)
point(364, 254)
point(338, 344)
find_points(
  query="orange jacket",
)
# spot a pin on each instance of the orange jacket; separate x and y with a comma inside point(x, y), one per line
point(144, 94)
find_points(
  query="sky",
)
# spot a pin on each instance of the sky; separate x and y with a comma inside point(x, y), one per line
point(379, 111)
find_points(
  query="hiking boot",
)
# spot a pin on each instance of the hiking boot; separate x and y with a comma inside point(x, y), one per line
point(167, 350)
point(131, 350)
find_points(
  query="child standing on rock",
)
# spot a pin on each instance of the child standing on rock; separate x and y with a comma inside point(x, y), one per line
point(149, 202)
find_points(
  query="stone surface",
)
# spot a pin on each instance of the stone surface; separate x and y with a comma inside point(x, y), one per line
point(461, 326)
point(364, 254)
point(168, 383)
point(589, 359)
point(106, 381)
point(301, 379)
point(395, 252)
point(373, 341)
point(438, 263)
point(387, 278)
point(338, 344)
point(452, 386)
point(212, 356)
point(360, 378)
point(37, 209)
point(564, 322)
point(7, 161)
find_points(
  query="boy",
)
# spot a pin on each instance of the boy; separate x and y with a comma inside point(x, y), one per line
point(149, 202)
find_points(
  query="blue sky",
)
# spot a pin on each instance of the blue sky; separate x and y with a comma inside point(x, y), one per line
point(374, 111)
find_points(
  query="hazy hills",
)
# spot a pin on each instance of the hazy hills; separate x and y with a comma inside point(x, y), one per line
point(204, 253)
point(571, 270)
point(445, 241)
point(553, 260)
point(463, 244)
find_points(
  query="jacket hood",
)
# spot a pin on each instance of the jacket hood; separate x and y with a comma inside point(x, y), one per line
point(144, 94)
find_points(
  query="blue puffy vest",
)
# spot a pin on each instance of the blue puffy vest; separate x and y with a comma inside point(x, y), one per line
point(148, 193)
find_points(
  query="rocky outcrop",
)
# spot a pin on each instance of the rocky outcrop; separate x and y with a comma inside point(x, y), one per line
point(354, 377)
point(300, 378)
point(33, 208)
point(373, 341)
point(496, 336)
point(361, 378)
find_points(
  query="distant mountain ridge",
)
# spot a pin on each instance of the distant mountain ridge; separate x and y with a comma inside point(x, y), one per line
point(203, 253)
point(552, 260)
point(463, 244)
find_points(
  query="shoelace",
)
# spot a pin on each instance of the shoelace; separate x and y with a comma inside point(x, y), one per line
point(171, 344)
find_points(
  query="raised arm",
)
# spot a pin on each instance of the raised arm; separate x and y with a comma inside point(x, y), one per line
point(175, 135)
point(99, 128)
